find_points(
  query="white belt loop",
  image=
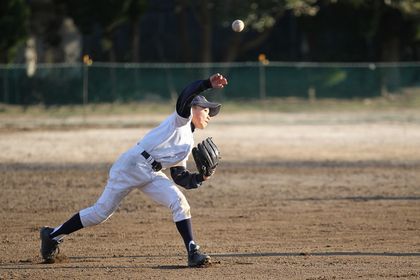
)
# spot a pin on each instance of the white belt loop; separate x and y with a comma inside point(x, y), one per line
point(150, 160)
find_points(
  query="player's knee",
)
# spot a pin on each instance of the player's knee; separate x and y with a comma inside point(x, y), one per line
point(180, 209)
point(103, 211)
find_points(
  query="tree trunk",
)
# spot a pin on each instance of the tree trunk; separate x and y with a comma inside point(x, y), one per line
point(391, 77)
point(135, 37)
point(186, 53)
point(237, 47)
point(206, 39)
point(233, 47)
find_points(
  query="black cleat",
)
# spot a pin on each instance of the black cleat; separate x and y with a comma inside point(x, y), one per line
point(196, 258)
point(49, 246)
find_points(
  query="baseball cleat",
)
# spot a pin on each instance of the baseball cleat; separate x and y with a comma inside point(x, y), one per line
point(197, 258)
point(49, 246)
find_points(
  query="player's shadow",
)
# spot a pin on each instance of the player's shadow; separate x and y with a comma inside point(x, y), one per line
point(263, 254)
point(80, 265)
point(170, 267)
point(333, 253)
point(260, 254)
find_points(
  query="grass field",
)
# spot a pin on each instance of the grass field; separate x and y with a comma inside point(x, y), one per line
point(323, 190)
point(401, 108)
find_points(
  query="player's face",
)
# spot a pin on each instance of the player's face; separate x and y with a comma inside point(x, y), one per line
point(200, 117)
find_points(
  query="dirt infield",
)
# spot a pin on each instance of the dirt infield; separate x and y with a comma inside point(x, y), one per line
point(297, 196)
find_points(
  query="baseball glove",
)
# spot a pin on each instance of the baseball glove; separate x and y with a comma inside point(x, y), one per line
point(206, 156)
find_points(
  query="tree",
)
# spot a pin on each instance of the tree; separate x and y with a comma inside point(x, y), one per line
point(45, 22)
point(260, 17)
point(410, 13)
point(109, 15)
point(133, 9)
point(14, 17)
point(386, 27)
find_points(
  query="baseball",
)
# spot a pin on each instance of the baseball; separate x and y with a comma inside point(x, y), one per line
point(238, 25)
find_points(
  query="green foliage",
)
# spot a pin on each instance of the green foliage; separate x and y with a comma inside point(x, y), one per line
point(373, 24)
point(14, 16)
point(257, 15)
point(411, 10)
point(408, 7)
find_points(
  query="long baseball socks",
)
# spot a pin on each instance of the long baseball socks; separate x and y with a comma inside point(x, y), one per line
point(72, 225)
point(185, 229)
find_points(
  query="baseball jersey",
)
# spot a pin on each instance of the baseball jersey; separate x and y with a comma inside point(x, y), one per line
point(172, 141)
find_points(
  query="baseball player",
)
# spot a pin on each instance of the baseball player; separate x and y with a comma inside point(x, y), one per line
point(166, 146)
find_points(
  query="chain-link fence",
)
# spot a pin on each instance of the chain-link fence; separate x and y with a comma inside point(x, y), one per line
point(53, 84)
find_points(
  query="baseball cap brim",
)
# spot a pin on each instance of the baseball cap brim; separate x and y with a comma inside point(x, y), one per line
point(201, 101)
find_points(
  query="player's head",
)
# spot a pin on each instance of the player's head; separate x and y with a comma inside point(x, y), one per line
point(203, 110)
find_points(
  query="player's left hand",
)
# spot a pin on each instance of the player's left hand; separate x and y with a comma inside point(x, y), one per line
point(218, 81)
point(206, 156)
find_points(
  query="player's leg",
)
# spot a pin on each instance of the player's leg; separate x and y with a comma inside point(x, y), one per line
point(123, 176)
point(104, 207)
point(98, 213)
point(163, 191)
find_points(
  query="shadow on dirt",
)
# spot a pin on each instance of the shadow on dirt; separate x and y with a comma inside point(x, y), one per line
point(68, 265)
point(356, 198)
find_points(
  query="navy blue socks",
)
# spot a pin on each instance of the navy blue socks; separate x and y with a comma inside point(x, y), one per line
point(185, 229)
point(72, 225)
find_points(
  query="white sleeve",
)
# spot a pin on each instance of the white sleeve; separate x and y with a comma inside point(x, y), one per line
point(181, 121)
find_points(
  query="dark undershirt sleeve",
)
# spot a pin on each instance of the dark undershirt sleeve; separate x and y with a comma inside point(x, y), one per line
point(185, 178)
point(183, 104)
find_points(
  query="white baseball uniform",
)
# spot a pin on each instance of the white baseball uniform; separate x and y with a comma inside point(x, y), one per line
point(166, 146)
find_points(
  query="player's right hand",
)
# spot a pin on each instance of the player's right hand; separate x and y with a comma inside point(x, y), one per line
point(218, 81)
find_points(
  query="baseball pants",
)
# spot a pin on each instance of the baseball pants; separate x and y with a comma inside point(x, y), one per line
point(132, 171)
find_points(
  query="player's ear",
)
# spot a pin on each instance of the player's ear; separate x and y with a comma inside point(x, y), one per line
point(195, 110)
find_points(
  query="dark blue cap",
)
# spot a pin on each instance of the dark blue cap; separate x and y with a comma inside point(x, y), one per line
point(201, 101)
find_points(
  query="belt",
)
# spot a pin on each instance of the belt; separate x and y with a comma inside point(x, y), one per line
point(156, 166)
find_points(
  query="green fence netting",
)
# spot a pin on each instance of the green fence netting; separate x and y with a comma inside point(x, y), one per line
point(54, 84)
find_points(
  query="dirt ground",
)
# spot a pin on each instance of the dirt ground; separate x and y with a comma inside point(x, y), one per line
point(297, 196)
